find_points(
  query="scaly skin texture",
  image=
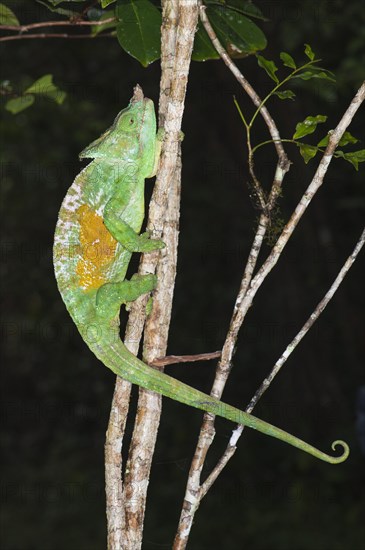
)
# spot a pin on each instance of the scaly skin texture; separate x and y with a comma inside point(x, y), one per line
point(97, 231)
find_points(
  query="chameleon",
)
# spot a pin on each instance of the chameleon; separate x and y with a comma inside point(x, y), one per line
point(98, 229)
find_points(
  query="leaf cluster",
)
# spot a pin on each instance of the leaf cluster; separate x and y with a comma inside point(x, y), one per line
point(307, 71)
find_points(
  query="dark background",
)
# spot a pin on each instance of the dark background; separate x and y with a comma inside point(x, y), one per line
point(56, 395)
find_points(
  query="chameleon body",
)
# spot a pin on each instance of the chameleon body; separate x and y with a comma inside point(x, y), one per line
point(97, 231)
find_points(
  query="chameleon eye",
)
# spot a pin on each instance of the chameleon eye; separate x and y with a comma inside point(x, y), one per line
point(128, 122)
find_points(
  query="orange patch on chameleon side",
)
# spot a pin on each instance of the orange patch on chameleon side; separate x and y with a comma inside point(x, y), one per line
point(97, 249)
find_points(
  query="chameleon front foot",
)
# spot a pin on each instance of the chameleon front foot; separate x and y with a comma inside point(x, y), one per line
point(125, 234)
point(146, 244)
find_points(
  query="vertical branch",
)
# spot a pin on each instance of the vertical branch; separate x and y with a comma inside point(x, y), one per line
point(113, 462)
point(179, 19)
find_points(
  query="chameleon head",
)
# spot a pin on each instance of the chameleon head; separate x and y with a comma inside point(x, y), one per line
point(131, 136)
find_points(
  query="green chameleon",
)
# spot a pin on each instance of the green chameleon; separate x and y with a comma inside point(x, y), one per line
point(97, 231)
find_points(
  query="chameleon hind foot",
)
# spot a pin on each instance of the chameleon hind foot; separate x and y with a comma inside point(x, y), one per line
point(111, 296)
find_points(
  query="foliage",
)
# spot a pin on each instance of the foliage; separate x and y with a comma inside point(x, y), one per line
point(42, 87)
point(307, 71)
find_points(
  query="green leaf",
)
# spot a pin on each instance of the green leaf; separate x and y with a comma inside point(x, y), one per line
point(203, 47)
point(105, 3)
point(346, 139)
point(46, 87)
point(309, 52)
point(18, 104)
point(138, 30)
point(238, 34)
point(7, 17)
point(307, 151)
point(308, 126)
point(269, 67)
point(287, 60)
point(285, 94)
point(354, 158)
point(307, 75)
point(40, 84)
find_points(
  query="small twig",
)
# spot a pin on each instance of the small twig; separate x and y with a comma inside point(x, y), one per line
point(236, 434)
point(251, 163)
point(53, 35)
point(173, 359)
point(256, 184)
point(72, 22)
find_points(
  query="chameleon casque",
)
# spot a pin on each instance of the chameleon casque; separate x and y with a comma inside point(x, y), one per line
point(97, 231)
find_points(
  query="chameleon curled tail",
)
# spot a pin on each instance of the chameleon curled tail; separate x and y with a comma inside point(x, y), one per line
point(128, 366)
point(98, 229)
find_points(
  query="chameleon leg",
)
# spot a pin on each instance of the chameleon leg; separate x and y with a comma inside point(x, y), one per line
point(111, 296)
point(124, 233)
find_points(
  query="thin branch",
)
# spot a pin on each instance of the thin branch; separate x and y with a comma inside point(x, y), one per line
point(256, 184)
point(236, 434)
point(173, 359)
point(70, 23)
point(321, 306)
point(53, 35)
